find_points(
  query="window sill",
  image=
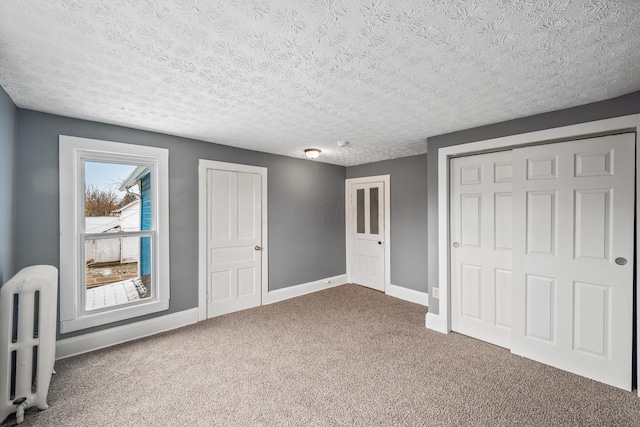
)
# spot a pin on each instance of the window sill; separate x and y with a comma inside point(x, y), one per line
point(92, 320)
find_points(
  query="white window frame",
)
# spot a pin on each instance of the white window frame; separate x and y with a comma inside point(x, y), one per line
point(73, 152)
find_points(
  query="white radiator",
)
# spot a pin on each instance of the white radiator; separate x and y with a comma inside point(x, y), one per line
point(28, 306)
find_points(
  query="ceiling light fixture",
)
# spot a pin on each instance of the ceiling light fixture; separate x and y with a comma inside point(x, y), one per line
point(312, 153)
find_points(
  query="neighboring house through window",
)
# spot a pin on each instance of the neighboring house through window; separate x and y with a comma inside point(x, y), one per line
point(114, 261)
point(140, 178)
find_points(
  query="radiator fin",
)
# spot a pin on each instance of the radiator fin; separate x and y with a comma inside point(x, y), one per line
point(12, 387)
point(34, 370)
point(36, 315)
point(14, 327)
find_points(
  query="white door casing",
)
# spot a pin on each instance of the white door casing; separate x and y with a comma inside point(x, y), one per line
point(573, 223)
point(481, 228)
point(368, 231)
point(233, 239)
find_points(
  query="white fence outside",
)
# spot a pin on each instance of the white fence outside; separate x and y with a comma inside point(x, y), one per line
point(122, 250)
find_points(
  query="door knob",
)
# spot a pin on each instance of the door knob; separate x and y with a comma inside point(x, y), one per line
point(257, 248)
point(379, 243)
point(456, 244)
point(621, 261)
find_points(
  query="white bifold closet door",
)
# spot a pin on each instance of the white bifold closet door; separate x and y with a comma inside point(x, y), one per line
point(573, 272)
point(542, 253)
point(481, 227)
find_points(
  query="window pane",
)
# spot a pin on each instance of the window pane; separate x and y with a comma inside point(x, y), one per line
point(106, 195)
point(360, 210)
point(373, 202)
point(117, 271)
point(117, 199)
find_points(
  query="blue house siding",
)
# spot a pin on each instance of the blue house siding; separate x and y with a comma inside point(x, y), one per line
point(145, 224)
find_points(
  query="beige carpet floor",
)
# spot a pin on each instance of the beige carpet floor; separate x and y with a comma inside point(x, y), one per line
point(345, 356)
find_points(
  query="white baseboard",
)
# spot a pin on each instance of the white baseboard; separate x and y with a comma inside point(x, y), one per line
point(407, 294)
point(303, 289)
point(435, 323)
point(93, 341)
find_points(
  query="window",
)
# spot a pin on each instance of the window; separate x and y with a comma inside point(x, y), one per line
point(114, 232)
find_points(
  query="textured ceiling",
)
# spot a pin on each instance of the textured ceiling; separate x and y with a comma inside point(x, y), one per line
point(281, 76)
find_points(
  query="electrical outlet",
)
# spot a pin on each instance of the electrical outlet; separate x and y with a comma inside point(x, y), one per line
point(435, 292)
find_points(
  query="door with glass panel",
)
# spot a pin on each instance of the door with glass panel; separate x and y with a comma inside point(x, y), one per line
point(367, 234)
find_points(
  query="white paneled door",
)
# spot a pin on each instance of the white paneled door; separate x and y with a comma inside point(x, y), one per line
point(542, 253)
point(481, 228)
point(573, 256)
point(368, 234)
point(234, 222)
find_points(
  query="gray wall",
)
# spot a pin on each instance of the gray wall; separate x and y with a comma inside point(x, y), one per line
point(408, 217)
point(306, 204)
point(621, 106)
point(8, 142)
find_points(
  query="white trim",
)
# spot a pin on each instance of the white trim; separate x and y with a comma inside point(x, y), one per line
point(68, 347)
point(637, 248)
point(203, 166)
point(202, 242)
point(304, 289)
point(387, 222)
point(133, 177)
point(72, 151)
point(626, 123)
point(434, 322)
point(407, 294)
point(347, 199)
point(92, 320)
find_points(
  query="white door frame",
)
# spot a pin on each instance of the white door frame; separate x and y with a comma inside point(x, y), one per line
point(386, 179)
point(203, 167)
point(442, 322)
